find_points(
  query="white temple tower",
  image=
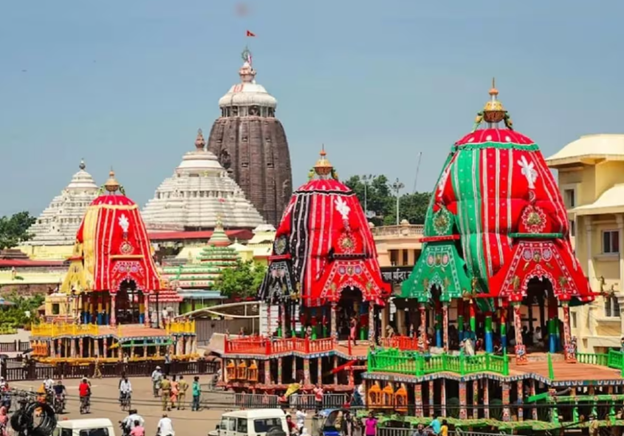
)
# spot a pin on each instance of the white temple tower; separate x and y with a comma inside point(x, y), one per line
point(58, 223)
point(199, 192)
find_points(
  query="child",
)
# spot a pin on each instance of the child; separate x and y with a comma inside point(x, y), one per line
point(138, 430)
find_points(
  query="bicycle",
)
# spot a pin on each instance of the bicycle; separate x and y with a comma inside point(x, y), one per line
point(125, 401)
point(85, 405)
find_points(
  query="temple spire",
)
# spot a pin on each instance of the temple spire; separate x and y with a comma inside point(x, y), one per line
point(82, 165)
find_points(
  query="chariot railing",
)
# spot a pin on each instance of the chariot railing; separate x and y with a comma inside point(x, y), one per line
point(266, 346)
point(612, 359)
point(419, 364)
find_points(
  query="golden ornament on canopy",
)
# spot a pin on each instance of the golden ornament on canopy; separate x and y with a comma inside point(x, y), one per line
point(111, 185)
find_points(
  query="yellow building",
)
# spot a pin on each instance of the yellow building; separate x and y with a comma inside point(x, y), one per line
point(398, 245)
point(591, 180)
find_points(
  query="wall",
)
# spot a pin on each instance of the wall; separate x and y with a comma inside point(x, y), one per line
point(50, 252)
point(205, 327)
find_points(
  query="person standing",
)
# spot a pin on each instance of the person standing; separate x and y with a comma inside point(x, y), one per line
point(165, 426)
point(167, 363)
point(157, 377)
point(175, 390)
point(182, 388)
point(196, 394)
point(318, 397)
point(165, 392)
point(97, 370)
point(370, 425)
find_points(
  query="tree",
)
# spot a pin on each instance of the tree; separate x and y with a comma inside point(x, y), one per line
point(243, 280)
point(381, 201)
point(13, 230)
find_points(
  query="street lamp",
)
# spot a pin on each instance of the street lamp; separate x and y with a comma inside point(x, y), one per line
point(397, 186)
point(366, 179)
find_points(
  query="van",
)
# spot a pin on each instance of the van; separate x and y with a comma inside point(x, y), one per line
point(251, 422)
point(85, 427)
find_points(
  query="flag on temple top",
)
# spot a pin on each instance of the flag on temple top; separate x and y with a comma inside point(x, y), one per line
point(251, 34)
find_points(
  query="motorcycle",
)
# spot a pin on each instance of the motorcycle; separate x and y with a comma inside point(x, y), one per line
point(58, 404)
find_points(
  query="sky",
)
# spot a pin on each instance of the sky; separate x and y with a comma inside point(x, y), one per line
point(128, 83)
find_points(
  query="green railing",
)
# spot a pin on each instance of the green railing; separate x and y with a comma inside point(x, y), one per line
point(416, 364)
point(612, 359)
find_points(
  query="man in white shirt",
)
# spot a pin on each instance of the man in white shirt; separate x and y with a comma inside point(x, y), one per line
point(300, 417)
point(157, 376)
point(48, 384)
point(125, 388)
point(165, 426)
point(129, 421)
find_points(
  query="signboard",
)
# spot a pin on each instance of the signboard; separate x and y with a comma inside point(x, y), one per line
point(395, 274)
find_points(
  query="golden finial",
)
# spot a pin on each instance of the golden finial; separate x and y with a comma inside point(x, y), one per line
point(323, 167)
point(493, 111)
point(111, 185)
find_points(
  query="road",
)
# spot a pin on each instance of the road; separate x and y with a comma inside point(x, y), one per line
point(104, 404)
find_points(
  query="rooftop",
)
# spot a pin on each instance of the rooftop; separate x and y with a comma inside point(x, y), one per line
point(611, 201)
point(590, 149)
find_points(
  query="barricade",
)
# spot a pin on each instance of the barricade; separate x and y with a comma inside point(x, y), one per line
point(335, 401)
point(256, 401)
point(305, 401)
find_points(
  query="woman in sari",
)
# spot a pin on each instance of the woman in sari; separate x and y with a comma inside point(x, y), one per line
point(175, 390)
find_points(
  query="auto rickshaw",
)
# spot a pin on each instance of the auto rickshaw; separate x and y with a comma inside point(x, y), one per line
point(327, 423)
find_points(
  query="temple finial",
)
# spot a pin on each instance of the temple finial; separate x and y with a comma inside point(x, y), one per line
point(200, 142)
point(323, 167)
point(111, 185)
point(82, 165)
point(246, 72)
point(493, 111)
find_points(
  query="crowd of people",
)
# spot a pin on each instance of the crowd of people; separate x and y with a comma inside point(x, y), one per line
point(173, 391)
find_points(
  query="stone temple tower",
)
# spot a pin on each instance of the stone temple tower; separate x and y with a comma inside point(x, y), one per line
point(250, 143)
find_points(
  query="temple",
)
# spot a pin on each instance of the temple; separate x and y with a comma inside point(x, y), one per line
point(112, 291)
point(199, 192)
point(251, 144)
point(324, 286)
point(194, 280)
point(55, 230)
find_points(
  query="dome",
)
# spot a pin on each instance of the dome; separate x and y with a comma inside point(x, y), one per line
point(496, 220)
point(323, 245)
point(248, 92)
point(58, 223)
point(199, 192)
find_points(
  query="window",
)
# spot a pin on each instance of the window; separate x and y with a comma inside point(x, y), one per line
point(569, 198)
point(56, 309)
point(612, 307)
point(241, 427)
point(264, 425)
point(610, 242)
point(94, 432)
point(573, 315)
point(572, 228)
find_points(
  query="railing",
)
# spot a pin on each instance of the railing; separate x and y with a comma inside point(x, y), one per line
point(16, 346)
point(593, 359)
point(35, 371)
point(180, 327)
point(405, 230)
point(413, 363)
point(264, 346)
point(47, 330)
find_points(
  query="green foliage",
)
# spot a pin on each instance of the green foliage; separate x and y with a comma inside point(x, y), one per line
point(15, 316)
point(243, 280)
point(13, 229)
point(381, 201)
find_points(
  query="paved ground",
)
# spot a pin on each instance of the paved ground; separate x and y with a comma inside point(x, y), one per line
point(104, 405)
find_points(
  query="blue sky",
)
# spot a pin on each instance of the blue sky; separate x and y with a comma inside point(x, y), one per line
point(127, 83)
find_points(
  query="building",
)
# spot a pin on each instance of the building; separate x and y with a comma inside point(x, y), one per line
point(591, 180)
point(197, 195)
point(55, 229)
point(251, 144)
